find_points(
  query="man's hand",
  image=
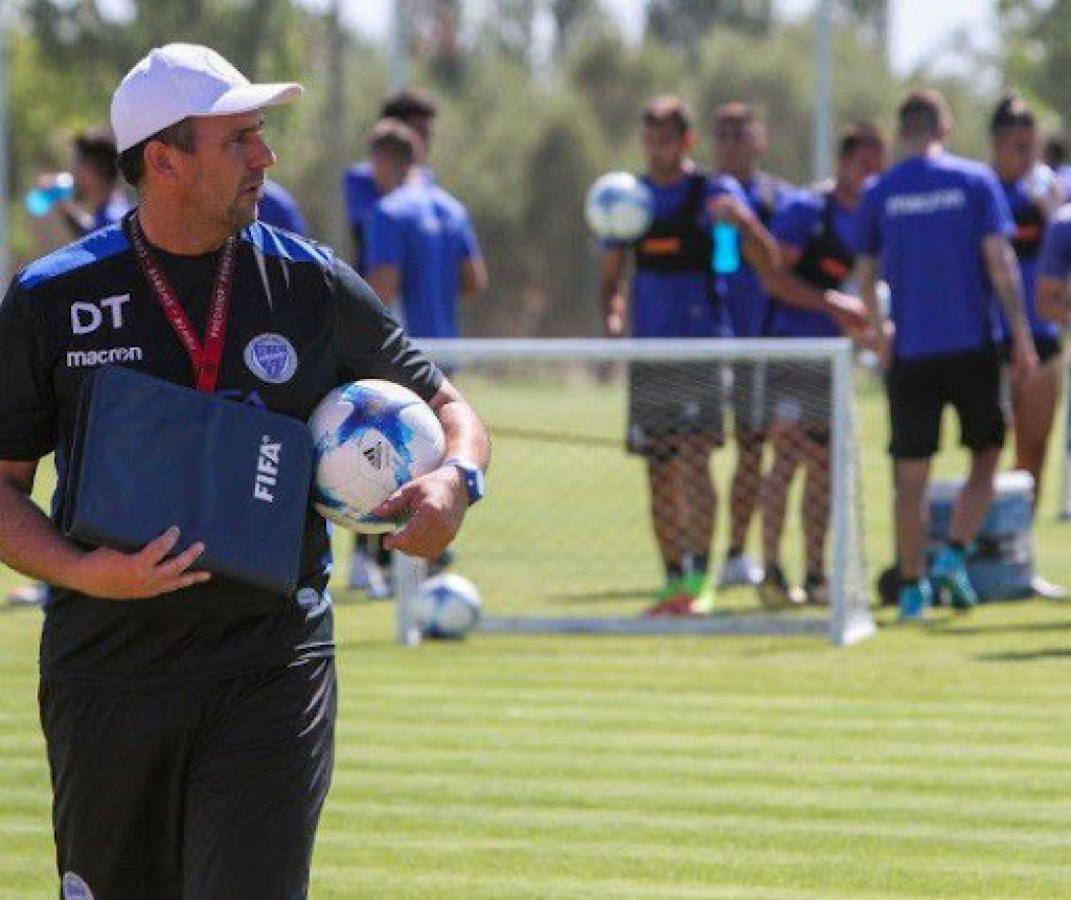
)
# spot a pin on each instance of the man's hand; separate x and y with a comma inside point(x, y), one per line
point(880, 341)
point(113, 575)
point(727, 208)
point(435, 505)
point(615, 315)
point(848, 312)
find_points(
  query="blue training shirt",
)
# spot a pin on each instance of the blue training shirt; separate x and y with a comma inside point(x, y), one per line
point(1054, 260)
point(747, 302)
point(926, 219)
point(427, 235)
point(680, 304)
point(361, 195)
point(111, 211)
point(798, 221)
point(278, 208)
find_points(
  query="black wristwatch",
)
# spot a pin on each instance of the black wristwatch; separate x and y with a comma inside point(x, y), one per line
point(471, 475)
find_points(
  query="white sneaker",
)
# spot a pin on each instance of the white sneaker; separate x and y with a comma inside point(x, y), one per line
point(740, 570)
point(33, 594)
point(1044, 588)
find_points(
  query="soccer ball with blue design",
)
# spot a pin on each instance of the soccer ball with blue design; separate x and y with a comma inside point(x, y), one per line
point(447, 606)
point(370, 438)
point(619, 207)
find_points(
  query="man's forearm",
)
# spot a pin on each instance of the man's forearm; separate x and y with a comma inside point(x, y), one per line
point(793, 290)
point(758, 245)
point(29, 541)
point(866, 275)
point(1008, 284)
point(466, 435)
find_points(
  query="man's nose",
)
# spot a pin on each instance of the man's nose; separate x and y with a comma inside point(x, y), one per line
point(262, 156)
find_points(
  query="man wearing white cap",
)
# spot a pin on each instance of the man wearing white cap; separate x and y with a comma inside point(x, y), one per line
point(190, 731)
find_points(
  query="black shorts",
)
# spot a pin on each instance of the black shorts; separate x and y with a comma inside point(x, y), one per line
point(668, 400)
point(211, 790)
point(1045, 347)
point(750, 381)
point(800, 393)
point(919, 390)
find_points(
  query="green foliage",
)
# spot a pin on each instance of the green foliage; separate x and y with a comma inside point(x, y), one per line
point(683, 23)
point(1037, 49)
point(519, 149)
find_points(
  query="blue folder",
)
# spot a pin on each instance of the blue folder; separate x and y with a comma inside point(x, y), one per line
point(148, 454)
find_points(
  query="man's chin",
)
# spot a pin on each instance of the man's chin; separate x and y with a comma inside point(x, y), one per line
point(243, 213)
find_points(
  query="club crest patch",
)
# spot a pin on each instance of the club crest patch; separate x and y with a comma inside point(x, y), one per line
point(75, 888)
point(272, 358)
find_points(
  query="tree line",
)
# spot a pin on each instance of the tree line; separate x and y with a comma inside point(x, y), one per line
point(536, 100)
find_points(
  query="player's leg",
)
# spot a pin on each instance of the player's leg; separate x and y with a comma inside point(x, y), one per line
point(815, 514)
point(702, 502)
point(916, 393)
point(667, 509)
point(976, 387)
point(1034, 411)
point(257, 781)
point(786, 439)
point(662, 412)
point(912, 478)
point(815, 386)
point(117, 759)
point(749, 402)
point(699, 499)
point(705, 430)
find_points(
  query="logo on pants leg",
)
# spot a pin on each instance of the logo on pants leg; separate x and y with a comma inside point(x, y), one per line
point(75, 888)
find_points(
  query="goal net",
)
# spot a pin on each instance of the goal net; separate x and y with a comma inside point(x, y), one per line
point(613, 458)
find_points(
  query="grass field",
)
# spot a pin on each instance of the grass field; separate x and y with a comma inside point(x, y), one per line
point(923, 763)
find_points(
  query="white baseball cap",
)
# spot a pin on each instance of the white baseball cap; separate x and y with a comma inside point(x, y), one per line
point(181, 80)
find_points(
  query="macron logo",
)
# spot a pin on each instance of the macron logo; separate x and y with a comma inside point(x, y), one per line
point(84, 359)
point(267, 469)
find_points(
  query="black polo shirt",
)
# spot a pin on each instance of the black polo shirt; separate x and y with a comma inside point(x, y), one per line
point(300, 323)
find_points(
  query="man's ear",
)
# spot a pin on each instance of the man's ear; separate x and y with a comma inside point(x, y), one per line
point(160, 159)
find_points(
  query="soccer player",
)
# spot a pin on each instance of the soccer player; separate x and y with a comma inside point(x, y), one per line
point(188, 720)
point(1033, 195)
point(415, 108)
point(739, 145)
point(675, 411)
point(421, 251)
point(936, 226)
point(816, 233)
point(370, 566)
point(98, 201)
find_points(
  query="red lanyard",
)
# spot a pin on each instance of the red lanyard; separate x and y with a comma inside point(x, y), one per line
point(204, 358)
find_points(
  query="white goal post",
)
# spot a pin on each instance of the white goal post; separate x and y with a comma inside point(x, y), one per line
point(488, 370)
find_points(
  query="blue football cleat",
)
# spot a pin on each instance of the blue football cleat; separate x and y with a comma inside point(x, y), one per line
point(949, 574)
point(915, 598)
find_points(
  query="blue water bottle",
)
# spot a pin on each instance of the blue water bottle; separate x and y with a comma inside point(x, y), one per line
point(40, 200)
point(726, 256)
